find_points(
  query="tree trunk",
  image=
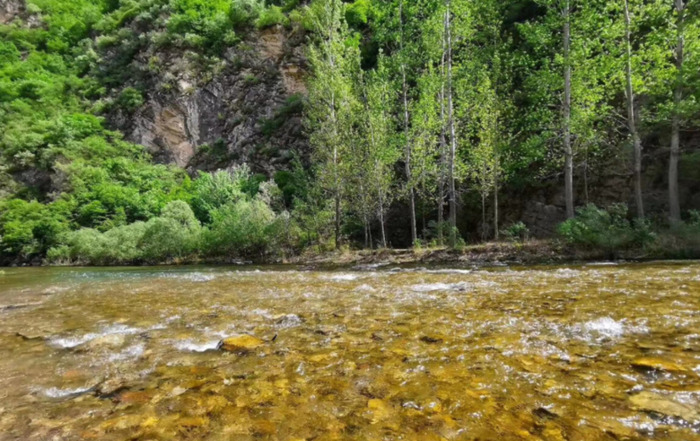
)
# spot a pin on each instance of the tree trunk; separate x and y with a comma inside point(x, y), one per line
point(369, 231)
point(443, 149)
point(409, 178)
point(631, 118)
point(337, 220)
point(336, 175)
point(673, 198)
point(381, 219)
point(586, 198)
point(334, 122)
point(568, 151)
point(495, 205)
point(453, 139)
point(483, 217)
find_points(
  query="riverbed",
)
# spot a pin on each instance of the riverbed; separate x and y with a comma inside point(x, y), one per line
point(589, 352)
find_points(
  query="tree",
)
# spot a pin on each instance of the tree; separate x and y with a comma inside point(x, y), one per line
point(566, 110)
point(331, 113)
point(674, 204)
point(383, 153)
point(452, 151)
point(631, 115)
point(406, 125)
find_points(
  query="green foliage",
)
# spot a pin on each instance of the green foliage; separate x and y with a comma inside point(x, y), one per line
point(358, 12)
point(380, 127)
point(240, 229)
point(130, 99)
point(270, 17)
point(204, 24)
point(245, 12)
point(117, 246)
point(175, 234)
point(214, 190)
point(607, 230)
point(516, 232)
point(29, 229)
point(694, 218)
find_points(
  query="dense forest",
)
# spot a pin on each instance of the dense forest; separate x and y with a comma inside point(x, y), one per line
point(423, 122)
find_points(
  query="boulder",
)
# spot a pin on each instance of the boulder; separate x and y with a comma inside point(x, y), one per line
point(657, 364)
point(665, 405)
point(240, 343)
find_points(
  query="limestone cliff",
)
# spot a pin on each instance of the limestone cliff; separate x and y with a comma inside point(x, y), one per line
point(248, 110)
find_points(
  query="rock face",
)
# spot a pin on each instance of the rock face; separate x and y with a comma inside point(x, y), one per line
point(9, 9)
point(173, 127)
point(248, 111)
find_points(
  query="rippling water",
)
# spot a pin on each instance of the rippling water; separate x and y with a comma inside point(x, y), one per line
point(545, 353)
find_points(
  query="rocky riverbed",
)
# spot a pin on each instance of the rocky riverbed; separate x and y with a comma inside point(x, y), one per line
point(592, 352)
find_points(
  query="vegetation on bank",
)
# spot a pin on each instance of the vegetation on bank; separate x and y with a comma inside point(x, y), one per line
point(414, 109)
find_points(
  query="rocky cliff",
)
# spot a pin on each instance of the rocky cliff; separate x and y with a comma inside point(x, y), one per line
point(247, 110)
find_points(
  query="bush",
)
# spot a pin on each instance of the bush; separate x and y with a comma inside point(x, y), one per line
point(680, 241)
point(29, 229)
point(358, 13)
point(608, 229)
point(270, 17)
point(118, 246)
point(214, 190)
point(516, 232)
point(130, 99)
point(245, 12)
point(240, 229)
point(173, 235)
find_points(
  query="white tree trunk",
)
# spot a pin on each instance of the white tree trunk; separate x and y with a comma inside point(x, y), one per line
point(631, 118)
point(453, 138)
point(673, 198)
point(407, 159)
point(568, 150)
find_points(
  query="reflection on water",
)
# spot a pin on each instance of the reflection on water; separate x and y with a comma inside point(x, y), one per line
point(594, 352)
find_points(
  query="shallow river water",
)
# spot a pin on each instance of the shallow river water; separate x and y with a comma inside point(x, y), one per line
point(594, 352)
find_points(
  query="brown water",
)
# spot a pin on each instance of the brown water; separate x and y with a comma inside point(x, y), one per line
point(551, 353)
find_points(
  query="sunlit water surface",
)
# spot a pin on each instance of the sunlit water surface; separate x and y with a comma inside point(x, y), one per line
point(595, 352)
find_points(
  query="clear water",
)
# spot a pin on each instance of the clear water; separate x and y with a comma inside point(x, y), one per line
point(595, 352)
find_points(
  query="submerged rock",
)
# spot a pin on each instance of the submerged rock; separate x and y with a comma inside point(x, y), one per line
point(240, 343)
point(654, 402)
point(657, 364)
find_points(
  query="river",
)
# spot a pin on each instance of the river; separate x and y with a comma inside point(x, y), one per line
point(590, 352)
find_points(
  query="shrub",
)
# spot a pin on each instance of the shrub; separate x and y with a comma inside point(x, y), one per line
point(29, 229)
point(240, 229)
point(606, 229)
point(130, 99)
point(270, 17)
point(204, 24)
point(358, 13)
point(174, 234)
point(120, 245)
point(680, 241)
point(214, 190)
point(516, 232)
point(245, 12)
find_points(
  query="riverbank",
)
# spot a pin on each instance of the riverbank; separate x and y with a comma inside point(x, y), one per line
point(531, 252)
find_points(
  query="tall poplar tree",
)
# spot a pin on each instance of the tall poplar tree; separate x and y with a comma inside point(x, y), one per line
point(332, 109)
